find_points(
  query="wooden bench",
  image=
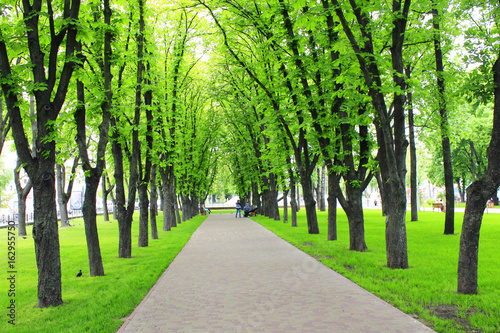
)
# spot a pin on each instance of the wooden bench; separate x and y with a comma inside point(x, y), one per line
point(216, 208)
point(438, 205)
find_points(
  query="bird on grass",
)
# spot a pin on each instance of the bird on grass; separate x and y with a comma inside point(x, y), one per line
point(79, 273)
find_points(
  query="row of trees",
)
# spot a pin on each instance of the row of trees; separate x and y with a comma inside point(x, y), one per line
point(168, 95)
point(121, 88)
point(341, 84)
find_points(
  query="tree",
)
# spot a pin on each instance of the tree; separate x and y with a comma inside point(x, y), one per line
point(413, 150)
point(391, 137)
point(122, 141)
point(49, 86)
point(444, 127)
point(480, 191)
point(145, 169)
point(63, 192)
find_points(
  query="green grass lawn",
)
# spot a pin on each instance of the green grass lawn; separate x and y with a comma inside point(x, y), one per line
point(427, 290)
point(91, 304)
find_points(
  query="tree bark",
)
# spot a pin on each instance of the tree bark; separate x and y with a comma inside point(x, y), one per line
point(449, 225)
point(63, 209)
point(142, 190)
point(353, 207)
point(167, 176)
point(90, 218)
point(285, 206)
point(177, 211)
point(413, 153)
point(274, 212)
point(293, 200)
point(333, 180)
point(309, 203)
point(153, 210)
point(46, 235)
point(322, 192)
point(104, 193)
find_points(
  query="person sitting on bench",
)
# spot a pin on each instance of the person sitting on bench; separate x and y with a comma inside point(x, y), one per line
point(248, 211)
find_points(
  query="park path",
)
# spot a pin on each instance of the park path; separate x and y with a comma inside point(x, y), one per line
point(236, 276)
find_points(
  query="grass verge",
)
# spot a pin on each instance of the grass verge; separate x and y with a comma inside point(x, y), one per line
point(91, 304)
point(427, 290)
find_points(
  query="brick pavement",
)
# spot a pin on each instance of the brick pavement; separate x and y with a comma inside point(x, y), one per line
point(236, 276)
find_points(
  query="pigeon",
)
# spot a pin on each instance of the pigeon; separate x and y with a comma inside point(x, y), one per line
point(79, 273)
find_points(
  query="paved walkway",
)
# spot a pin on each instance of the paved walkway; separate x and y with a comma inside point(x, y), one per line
point(236, 276)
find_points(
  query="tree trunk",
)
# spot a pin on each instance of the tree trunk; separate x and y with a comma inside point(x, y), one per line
point(384, 194)
point(104, 194)
point(124, 219)
point(167, 178)
point(89, 216)
point(461, 189)
point(353, 207)
point(164, 207)
point(449, 227)
point(356, 221)
point(395, 234)
point(171, 218)
point(285, 206)
point(256, 196)
point(293, 200)
point(413, 154)
point(125, 238)
point(21, 229)
point(273, 198)
point(177, 211)
point(153, 210)
point(322, 191)
point(145, 170)
point(46, 235)
point(309, 203)
point(297, 198)
point(469, 240)
point(142, 189)
point(63, 208)
point(333, 179)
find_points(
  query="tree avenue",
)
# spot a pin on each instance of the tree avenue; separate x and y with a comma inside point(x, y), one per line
point(165, 99)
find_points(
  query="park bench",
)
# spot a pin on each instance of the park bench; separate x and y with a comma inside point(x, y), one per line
point(214, 208)
point(438, 205)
